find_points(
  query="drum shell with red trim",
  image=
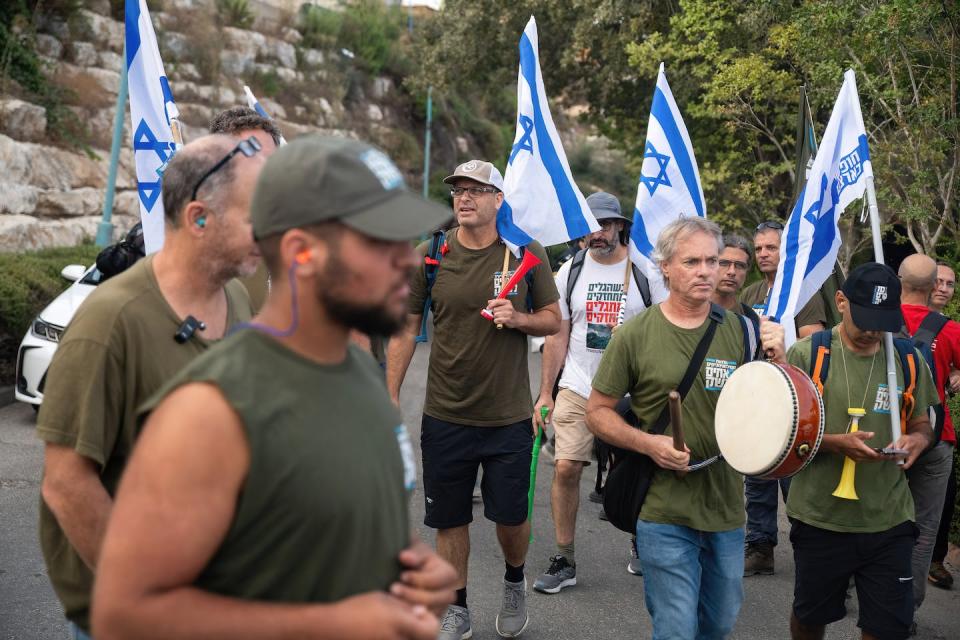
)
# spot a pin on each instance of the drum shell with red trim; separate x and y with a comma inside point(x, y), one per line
point(769, 420)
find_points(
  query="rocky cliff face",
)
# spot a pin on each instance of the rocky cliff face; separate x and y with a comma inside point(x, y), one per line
point(53, 195)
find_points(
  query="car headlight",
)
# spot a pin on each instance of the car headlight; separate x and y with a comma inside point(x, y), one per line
point(46, 331)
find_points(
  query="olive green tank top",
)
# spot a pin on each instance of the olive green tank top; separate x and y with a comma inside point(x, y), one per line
point(323, 510)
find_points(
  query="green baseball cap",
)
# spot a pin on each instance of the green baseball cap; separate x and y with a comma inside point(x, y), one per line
point(318, 178)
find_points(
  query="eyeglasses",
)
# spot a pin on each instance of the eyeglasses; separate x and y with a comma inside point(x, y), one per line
point(475, 192)
point(770, 224)
point(249, 147)
point(737, 264)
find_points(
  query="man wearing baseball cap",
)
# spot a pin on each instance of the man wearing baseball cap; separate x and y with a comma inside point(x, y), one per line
point(870, 536)
point(590, 309)
point(477, 409)
point(268, 493)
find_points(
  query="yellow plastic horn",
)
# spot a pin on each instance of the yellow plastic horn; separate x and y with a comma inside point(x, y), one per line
point(846, 489)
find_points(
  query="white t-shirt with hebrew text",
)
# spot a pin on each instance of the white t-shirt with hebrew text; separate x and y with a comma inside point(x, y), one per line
point(595, 304)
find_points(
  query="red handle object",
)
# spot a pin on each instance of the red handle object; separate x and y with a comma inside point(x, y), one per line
point(529, 262)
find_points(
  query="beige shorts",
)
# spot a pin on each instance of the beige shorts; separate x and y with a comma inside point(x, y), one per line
point(574, 440)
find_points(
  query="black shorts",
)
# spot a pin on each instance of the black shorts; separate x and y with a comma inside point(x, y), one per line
point(880, 565)
point(452, 453)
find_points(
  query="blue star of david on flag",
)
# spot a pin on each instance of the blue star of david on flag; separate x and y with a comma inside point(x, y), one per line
point(525, 143)
point(652, 182)
point(145, 140)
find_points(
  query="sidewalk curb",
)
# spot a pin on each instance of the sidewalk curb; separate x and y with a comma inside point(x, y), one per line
point(6, 395)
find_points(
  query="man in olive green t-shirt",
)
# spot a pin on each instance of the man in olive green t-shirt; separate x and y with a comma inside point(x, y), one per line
point(478, 405)
point(120, 348)
point(766, 245)
point(762, 500)
point(690, 528)
point(268, 494)
point(866, 532)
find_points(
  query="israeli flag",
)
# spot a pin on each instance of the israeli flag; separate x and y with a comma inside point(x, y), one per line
point(541, 200)
point(811, 238)
point(254, 104)
point(153, 115)
point(669, 181)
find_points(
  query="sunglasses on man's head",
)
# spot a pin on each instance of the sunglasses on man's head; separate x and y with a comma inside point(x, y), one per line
point(770, 224)
point(249, 147)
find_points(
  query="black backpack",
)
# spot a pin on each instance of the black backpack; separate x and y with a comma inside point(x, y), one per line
point(930, 327)
point(431, 265)
point(119, 257)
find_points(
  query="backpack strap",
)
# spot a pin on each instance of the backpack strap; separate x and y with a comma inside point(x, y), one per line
point(750, 324)
point(431, 264)
point(642, 284)
point(929, 329)
point(528, 278)
point(820, 357)
point(908, 362)
point(576, 266)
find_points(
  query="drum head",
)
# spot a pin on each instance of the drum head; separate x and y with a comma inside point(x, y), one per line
point(756, 418)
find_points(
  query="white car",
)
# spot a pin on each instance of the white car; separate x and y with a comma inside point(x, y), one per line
point(43, 336)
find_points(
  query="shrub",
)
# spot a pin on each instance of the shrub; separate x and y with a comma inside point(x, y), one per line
point(29, 281)
point(319, 27)
point(235, 13)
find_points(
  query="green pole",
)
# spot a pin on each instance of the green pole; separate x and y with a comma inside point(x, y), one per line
point(105, 230)
point(534, 457)
point(426, 143)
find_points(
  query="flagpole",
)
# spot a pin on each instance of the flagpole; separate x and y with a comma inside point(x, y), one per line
point(895, 427)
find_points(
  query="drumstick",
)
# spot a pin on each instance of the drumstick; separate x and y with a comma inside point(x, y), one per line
point(673, 399)
point(676, 423)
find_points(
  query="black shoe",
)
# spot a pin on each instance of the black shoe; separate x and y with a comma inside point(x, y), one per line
point(596, 497)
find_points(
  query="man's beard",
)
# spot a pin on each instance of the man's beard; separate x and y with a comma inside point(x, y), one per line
point(371, 319)
point(605, 249)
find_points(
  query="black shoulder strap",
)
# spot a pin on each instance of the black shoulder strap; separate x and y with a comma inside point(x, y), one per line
point(750, 324)
point(929, 329)
point(717, 314)
point(642, 284)
point(431, 264)
point(576, 266)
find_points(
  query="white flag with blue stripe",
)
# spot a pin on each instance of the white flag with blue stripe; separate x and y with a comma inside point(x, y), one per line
point(669, 180)
point(541, 200)
point(153, 116)
point(254, 104)
point(811, 238)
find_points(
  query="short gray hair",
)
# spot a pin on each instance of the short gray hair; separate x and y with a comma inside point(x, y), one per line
point(735, 241)
point(671, 235)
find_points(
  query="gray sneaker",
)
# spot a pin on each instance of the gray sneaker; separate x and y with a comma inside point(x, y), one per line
point(513, 618)
point(560, 574)
point(455, 624)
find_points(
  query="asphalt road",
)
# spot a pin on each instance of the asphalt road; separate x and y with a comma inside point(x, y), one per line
point(606, 603)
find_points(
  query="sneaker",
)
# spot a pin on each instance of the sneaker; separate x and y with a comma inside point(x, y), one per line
point(597, 497)
point(455, 624)
point(560, 574)
point(513, 618)
point(603, 514)
point(547, 452)
point(939, 576)
point(633, 566)
point(758, 559)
